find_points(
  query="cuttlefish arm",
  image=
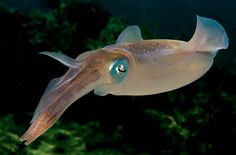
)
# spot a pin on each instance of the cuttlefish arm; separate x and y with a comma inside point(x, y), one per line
point(132, 66)
point(84, 74)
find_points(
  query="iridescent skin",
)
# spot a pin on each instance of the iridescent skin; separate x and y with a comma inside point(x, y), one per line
point(132, 66)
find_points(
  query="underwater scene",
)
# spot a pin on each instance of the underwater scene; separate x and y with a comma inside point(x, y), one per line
point(118, 77)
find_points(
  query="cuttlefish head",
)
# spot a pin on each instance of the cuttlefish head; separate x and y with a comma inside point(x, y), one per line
point(89, 71)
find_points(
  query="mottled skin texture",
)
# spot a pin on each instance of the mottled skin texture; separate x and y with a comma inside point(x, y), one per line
point(149, 50)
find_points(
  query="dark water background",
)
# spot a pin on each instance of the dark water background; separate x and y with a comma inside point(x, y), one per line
point(197, 119)
point(164, 18)
point(172, 15)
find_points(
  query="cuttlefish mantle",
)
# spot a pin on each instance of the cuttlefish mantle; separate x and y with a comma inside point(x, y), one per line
point(132, 66)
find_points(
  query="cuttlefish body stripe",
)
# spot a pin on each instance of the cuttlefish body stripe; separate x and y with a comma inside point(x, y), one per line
point(132, 66)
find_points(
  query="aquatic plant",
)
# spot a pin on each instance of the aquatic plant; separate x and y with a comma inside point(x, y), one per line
point(114, 26)
point(65, 28)
point(9, 137)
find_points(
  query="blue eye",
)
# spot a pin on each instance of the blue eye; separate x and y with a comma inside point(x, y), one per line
point(119, 69)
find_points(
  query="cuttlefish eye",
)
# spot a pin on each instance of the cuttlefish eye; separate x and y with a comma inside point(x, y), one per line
point(119, 69)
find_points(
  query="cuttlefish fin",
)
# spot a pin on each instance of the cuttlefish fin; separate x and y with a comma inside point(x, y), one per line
point(209, 36)
point(130, 34)
point(64, 59)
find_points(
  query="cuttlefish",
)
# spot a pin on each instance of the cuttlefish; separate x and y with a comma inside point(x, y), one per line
point(131, 66)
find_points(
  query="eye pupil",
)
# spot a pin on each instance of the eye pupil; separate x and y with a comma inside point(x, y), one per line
point(119, 69)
